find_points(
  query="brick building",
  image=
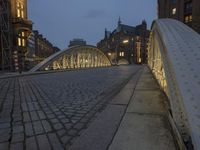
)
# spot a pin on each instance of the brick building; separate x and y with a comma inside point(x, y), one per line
point(126, 44)
point(39, 48)
point(187, 11)
point(14, 30)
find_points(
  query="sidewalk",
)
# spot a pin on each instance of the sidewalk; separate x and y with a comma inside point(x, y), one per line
point(144, 125)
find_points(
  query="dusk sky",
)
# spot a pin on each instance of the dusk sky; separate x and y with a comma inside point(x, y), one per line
point(62, 20)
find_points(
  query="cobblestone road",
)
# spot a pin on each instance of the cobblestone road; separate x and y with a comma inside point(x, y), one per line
point(48, 111)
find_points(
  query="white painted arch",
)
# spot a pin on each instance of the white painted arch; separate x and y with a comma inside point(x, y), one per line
point(86, 56)
point(174, 57)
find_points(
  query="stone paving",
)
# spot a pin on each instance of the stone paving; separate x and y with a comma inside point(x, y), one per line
point(49, 111)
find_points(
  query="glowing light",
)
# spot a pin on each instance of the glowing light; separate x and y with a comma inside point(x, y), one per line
point(125, 41)
point(174, 11)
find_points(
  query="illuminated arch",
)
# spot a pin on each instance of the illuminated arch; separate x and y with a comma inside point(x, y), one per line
point(75, 57)
point(174, 57)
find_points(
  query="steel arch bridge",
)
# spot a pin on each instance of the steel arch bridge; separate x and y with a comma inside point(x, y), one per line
point(75, 57)
point(174, 58)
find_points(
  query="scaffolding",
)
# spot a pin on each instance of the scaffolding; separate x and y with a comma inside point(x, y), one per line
point(5, 40)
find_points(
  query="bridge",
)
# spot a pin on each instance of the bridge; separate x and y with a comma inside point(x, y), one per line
point(73, 58)
point(120, 107)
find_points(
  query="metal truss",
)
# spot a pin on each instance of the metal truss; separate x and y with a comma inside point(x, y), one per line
point(5, 41)
point(73, 58)
point(174, 56)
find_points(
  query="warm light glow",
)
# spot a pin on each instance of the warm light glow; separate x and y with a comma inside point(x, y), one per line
point(109, 54)
point(19, 42)
point(188, 18)
point(121, 54)
point(125, 41)
point(20, 10)
point(23, 34)
point(23, 42)
point(138, 52)
point(174, 11)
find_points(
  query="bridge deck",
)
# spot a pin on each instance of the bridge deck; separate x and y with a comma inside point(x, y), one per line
point(77, 110)
point(51, 110)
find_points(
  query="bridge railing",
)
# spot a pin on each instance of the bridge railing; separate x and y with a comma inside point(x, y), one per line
point(174, 58)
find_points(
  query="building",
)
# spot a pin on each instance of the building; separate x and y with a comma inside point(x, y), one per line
point(15, 29)
point(76, 42)
point(126, 44)
point(187, 11)
point(39, 48)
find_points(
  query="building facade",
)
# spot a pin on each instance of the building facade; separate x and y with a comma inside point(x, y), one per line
point(126, 44)
point(186, 11)
point(76, 42)
point(39, 48)
point(15, 29)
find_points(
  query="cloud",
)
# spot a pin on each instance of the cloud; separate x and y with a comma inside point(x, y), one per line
point(91, 14)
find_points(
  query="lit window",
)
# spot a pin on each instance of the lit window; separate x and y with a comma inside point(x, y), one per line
point(23, 42)
point(23, 34)
point(121, 54)
point(174, 11)
point(19, 41)
point(20, 10)
point(188, 18)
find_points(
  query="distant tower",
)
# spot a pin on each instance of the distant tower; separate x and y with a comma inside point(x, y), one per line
point(144, 24)
point(119, 21)
point(106, 33)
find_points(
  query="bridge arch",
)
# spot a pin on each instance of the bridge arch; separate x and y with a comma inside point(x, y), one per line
point(86, 56)
point(174, 58)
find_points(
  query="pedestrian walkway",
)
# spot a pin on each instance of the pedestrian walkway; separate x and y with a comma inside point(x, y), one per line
point(145, 125)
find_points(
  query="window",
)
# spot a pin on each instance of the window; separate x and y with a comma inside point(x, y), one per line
point(188, 18)
point(121, 54)
point(21, 39)
point(188, 7)
point(174, 11)
point(20, 10)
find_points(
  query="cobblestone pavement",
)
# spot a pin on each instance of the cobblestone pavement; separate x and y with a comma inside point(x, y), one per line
point(49, 111)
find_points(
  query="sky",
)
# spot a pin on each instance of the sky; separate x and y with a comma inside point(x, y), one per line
point(63, 20)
